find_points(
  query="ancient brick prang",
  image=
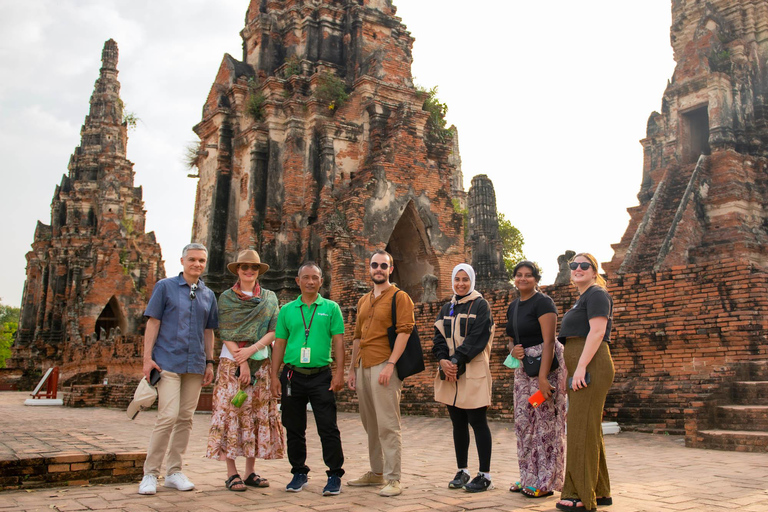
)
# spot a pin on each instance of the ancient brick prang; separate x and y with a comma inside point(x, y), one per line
point(316, 146)
point(483, 240)
point(704, 167)
point(92, 270)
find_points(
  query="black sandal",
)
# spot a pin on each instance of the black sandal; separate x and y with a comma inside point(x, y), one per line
point(573, 507)
point(234, 480)
point(605, 501)
point(255, 480)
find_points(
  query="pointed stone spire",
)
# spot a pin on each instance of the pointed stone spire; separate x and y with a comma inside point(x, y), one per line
point(483, 239)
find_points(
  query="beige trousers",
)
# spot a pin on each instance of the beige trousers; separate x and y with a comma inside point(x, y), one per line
point(380, 414)
point(177, 396)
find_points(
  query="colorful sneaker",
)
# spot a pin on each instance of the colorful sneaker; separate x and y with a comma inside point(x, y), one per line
point(297, 483)
point(391, 489)
point(333, 487)
point(178, 481)
point(459, 481)
point(148, 485)
point(370, 478)
point(478, 484)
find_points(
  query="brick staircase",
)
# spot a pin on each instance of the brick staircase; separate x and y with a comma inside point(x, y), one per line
point(742, 425)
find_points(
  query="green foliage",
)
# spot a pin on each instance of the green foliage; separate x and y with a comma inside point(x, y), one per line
point(130, 119)
point(512, 242)
point(720, 61)
point(436, 132)
point(127, 224)
point(9, 317)
point(464, 215)
point(331, 91)
point(292, 66)
point(254, 106)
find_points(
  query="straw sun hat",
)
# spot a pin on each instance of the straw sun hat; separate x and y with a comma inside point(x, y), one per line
point(248, 256)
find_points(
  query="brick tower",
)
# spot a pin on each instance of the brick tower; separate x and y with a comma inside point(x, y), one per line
point(704, 188)
point(316, 145)
point(92, 270)
point(485, 248)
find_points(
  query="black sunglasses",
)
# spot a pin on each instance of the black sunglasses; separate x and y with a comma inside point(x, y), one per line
point(248, 266)
point(384, 266)
point(192, 290)
point(583, 264)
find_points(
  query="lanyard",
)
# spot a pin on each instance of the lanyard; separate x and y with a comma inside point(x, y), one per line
point(307, 327)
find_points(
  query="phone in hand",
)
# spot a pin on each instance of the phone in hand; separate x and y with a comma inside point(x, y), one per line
point(586, 380)
point(536, 399)
point(154, 377)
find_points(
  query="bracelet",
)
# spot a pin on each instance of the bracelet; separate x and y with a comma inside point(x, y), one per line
point(209, 361)
point(390, 362)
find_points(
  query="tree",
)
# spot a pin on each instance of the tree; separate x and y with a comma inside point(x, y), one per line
point(9, 317)
point(512, 242)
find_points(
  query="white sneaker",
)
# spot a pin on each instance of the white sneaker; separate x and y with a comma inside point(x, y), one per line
point(148, 485)
point(178, 481)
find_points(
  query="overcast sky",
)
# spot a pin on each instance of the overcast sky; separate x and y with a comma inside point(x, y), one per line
point(550, 100)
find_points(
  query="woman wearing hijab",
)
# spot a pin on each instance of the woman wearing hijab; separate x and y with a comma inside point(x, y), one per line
point(247, 321)
point(462, 346)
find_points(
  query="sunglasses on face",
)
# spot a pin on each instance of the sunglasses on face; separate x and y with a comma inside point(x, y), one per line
point(192, 290)
point(583, 264)
point(248, 266)
point(384, 266)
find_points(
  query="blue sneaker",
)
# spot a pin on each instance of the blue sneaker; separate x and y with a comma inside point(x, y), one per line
point(333, 487)
point(298, 482)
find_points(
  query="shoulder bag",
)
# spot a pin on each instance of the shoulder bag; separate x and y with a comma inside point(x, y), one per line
point(411, 360)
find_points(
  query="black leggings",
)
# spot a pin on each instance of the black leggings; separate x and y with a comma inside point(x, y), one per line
point(461, 419)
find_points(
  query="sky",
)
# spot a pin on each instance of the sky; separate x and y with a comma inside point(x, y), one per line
point(550, 100)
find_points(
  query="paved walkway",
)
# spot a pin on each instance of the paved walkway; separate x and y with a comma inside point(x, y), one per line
point(649, 472)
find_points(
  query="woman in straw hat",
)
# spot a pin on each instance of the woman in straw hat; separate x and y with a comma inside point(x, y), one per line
point(247, 320)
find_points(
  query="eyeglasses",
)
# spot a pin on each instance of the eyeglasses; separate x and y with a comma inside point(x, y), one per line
point(192, 290)
point(583, 264)
point(384, 266)
point(248, 266)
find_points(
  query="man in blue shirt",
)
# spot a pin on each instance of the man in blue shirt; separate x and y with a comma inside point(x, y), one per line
point(308, 336)
point(178, 342)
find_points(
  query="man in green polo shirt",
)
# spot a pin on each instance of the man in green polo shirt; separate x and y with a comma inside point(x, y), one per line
point(307, 329)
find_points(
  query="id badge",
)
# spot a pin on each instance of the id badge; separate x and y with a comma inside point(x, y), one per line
point(305, 351)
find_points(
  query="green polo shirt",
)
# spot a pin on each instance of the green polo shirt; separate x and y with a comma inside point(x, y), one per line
point(326, 323)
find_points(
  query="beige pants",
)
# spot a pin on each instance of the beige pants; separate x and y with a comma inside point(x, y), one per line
point(380, 414)
point(177, 396)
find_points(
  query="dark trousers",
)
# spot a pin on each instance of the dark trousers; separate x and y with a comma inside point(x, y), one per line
point(315, 390)
point(462, 419)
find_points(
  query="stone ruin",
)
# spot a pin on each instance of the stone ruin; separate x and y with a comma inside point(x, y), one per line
point(316, 146)
point(92, 269)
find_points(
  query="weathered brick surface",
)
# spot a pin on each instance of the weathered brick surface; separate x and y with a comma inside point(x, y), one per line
point(92, 270)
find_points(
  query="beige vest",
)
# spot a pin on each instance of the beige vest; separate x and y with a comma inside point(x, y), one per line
point(473, 389)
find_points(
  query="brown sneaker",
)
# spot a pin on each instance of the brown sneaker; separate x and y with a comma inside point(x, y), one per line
point(391, 489)
point(369, 478)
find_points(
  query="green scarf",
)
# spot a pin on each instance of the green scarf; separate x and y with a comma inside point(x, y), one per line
point(246, 319)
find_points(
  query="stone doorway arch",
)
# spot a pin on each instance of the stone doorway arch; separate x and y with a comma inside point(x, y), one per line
point(412, 252)
point(111, 317)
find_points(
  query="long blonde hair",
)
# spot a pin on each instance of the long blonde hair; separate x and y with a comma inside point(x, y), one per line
point(599, 280)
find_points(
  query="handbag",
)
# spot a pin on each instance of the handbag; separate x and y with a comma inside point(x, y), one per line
point(531, 364)
point(411, 360)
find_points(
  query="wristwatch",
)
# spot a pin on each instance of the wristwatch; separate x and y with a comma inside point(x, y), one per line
point(209, 361)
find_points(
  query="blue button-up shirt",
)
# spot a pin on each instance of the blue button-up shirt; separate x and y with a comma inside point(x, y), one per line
point(180, 345)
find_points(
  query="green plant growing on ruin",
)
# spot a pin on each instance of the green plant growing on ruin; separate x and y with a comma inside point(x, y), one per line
point(331, 91)
point(292, 67)
point(512, 242)
point(129, 119)
point(464, 215)
point(720, 61)
point(191, 154)
point(254, 105)
point(436, 131)
point(127, 224)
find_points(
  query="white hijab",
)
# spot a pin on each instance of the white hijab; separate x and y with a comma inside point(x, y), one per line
point(470, 272)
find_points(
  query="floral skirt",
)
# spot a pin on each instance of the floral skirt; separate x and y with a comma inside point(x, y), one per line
point(541, 431)
point(251, 430)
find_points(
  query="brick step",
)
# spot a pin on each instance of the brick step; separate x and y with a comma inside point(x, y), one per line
point(758, 370)
point(750, 392)
point(743, 417)
point(734, 440)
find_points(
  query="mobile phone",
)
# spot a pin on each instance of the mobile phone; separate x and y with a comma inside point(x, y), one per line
point(253, 376)
point(154, 377)
point(536, 399)
point(570, 380)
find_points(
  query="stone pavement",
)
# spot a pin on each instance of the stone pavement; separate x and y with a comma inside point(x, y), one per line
point(649, 473)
